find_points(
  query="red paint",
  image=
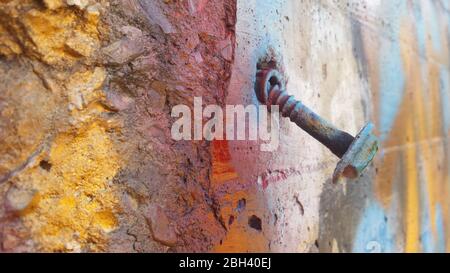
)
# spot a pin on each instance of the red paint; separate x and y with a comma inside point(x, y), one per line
point(279, 175)
point(222, 170)
point(220, 151)
point(273, 176)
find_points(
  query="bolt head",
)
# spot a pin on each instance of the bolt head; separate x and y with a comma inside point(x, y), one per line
point(358, 156)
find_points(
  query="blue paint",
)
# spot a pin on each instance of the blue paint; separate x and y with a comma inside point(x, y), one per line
point(373, 233)
point(445, 97)
point(268, 36)
point(440, 240)
point(392, 82)
point(419, 24)
point(434, 28)
point(392, 78)
point(426, 234)
point(430, 29)
point(421, 36)
point(431, 242)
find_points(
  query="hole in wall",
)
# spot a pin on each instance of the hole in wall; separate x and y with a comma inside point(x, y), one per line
point(44, 164)
point(255, 222)
point(230, 220)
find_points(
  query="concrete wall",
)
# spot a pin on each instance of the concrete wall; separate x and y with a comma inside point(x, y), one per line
point(352, 62)
point(88, 163)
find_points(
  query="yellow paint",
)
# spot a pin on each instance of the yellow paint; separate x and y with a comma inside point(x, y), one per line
point(51, 34)
point(75, 204)
point(412, 88)
point(8, 46)
point(106, 220)
point(240, 237)
point(425, 125)
point(53, 4)
point(412, 200)
point(77, 201)
point(415, 148)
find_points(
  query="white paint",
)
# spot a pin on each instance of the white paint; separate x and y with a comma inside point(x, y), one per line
point(306, 37)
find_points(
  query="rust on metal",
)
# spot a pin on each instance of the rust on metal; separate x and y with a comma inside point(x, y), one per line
point(355, 152)
point(359, 155)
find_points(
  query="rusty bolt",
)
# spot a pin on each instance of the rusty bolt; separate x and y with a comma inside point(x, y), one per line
point(355, 152)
